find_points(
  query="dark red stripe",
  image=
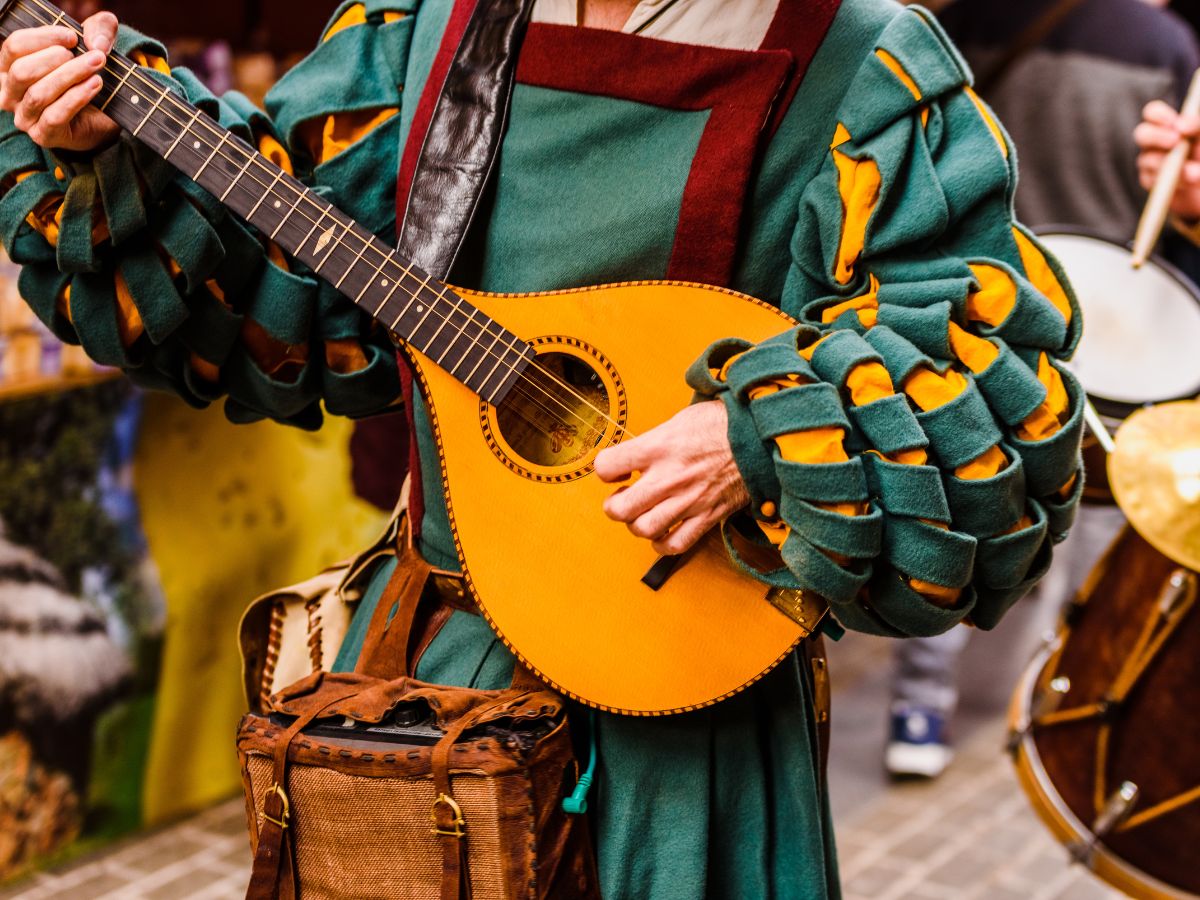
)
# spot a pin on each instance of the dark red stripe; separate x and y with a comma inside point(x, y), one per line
point(737, 87)
point(451, 38)
point(416, 498)
point(800, 27)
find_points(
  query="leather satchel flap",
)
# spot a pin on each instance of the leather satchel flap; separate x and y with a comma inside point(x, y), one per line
point(377, 698)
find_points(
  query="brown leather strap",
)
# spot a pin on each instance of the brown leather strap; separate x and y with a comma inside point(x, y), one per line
point(385, 652)
point(447, 820)
point(813, 657)
point(462, 145)
point(273, 875)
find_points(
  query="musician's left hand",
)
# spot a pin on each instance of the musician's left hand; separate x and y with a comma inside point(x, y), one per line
point(688, 479)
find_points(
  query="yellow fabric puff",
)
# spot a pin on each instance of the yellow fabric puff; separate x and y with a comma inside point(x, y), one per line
point(989, 120)
point(326, 138)
point(898, 70)
point(859, 183)
point(357, 15)
point(1039, 273)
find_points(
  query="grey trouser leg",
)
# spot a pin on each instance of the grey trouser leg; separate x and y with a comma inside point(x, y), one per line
point(927, 670)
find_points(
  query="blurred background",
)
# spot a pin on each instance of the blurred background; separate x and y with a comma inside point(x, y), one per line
point(134, 531)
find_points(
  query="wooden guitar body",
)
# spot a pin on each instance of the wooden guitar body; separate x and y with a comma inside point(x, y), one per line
point(559, 581)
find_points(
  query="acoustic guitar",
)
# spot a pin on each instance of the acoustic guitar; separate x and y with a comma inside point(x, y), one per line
point(520, 411)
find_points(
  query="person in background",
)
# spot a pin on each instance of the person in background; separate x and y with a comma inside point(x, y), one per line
point(1069, 101)
point(1161, 129)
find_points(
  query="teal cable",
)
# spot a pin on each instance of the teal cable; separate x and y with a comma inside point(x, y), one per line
point(576, 804)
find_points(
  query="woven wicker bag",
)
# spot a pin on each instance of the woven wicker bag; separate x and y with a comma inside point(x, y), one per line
point(361, 786)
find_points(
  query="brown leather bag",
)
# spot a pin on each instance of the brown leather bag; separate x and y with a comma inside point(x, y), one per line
point(466, 802)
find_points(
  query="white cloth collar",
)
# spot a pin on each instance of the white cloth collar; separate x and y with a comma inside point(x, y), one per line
point(731, 24)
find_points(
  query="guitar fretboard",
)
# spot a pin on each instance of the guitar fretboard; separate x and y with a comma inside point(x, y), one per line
point(415, 307)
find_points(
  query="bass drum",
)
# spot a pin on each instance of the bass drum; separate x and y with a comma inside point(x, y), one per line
point(1105, 724)
point(1141, 334)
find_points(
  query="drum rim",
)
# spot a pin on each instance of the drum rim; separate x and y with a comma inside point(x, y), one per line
point(1123, 409)
point(1049, 805)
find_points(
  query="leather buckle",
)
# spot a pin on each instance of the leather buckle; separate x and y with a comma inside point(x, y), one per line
point(459, 823)
point(282, 821)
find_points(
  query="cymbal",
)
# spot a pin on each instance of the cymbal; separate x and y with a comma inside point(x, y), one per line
point(1155, 476)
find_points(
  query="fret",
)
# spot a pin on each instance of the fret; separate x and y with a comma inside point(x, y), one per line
point(179, 137)
point(511, 371)
point(153, 109)
point(474, 342)
point(412, 298)
point(485, 353)
point(371, 281)
point(288, 215)
point(500, 357)
point(270, 188)
point(445, 321)
point(387, 298)
point(426, 308)
point(366, 246)
point(316, 224)
point(237, 178)
point(329, 238)
point(217, 149)
point(117, 89)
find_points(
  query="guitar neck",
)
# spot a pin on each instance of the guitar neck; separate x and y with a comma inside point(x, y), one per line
point(416, 308)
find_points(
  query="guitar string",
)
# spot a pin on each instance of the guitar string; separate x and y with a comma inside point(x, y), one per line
point(132, 70)
point(521, 382)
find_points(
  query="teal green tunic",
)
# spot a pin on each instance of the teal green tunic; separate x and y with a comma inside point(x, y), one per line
point(593, 187)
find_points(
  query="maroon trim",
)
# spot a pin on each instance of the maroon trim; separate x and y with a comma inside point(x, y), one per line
point(800, 27)
point(460, 16)
point(416, 496)
point(375, 445)
point(737, 87)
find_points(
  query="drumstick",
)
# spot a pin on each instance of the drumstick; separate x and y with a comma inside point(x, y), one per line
point(1096, 426)
point(1158, 205)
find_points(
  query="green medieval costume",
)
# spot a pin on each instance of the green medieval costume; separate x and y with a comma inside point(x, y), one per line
point(842, 171)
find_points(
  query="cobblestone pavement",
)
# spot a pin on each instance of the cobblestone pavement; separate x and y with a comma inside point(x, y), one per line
point(970, 835)
point(204, 858)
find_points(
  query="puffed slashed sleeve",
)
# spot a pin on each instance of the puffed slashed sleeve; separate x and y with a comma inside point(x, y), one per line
point(147, 271)
point(912, 448)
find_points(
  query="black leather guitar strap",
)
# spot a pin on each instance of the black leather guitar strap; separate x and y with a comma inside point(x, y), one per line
point(462, 145)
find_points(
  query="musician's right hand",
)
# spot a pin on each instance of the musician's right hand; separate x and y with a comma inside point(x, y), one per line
point(47, 87)
point(1161, 129)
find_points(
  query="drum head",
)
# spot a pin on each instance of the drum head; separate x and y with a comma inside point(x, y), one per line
point(1141, 327)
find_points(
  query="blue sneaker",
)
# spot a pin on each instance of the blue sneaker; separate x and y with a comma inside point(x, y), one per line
point(918, 746)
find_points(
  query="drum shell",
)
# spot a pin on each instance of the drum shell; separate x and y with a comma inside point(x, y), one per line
point(1155, 732)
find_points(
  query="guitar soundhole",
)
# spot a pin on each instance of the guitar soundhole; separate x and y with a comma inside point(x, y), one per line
point(566, 407)
point(556, 415)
